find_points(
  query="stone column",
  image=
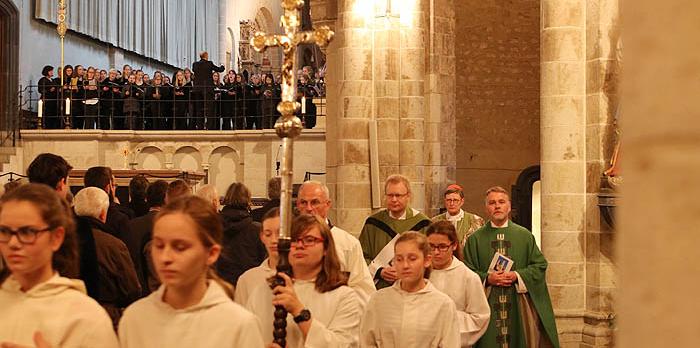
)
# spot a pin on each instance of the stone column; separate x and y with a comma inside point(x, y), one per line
point(380, 66)
point(563, 161)
point(349, 95)
point(658, 256)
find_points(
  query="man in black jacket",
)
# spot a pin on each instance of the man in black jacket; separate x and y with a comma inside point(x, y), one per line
point(117, 220)
point(203, 91)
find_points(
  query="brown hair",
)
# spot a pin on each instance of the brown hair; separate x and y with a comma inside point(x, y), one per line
point(446, 228)
point(209, 227)
point(452, 190)
point(177, 189)
point(272, 213)
point(330, 277)
point(496, 189)
point(421, 242)
point(237, 196)
point(56, 213)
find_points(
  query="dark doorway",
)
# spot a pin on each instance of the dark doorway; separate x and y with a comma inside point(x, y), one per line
point(9, 61)
point(522, 196)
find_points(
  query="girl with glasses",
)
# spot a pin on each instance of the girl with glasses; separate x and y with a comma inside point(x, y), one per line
point(462, 285)
point(193, 307)
point(40, 305)
point(322, 310)
point(412, 313)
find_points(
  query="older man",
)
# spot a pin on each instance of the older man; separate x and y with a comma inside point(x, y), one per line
point(465, 223)
point(522, 313)
point(313, 198)
point(115, 284)
point(381, 228)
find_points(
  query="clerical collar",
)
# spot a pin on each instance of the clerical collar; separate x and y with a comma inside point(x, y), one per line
point(505, 224)
point(457, 217)
point(402, 217)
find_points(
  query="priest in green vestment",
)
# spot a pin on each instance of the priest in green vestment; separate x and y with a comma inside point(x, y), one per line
point(465, 223)
point(381, 228)
point(521, 310)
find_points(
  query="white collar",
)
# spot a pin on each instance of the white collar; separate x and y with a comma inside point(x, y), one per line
point(505, 224)
point(457, 217)
point(402, 217)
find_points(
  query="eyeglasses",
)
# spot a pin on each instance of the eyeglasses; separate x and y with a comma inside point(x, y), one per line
point(314, 203)
point(452, 200)
point(25, 234)
point(307, 241)
point(396, 195)
point(440, 247)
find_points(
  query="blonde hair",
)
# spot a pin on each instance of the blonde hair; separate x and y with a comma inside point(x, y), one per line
point(397, 179)
point(498, 189)
point(421, 242)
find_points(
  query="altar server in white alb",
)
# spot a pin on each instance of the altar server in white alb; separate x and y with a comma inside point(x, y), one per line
point(411, 313)
point(255, 280)
point(193, 307)
point(323, 311)
point(313, 199)
point(39, 305)
point(462, 285)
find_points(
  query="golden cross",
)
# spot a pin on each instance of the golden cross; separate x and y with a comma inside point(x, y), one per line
point(289, 126)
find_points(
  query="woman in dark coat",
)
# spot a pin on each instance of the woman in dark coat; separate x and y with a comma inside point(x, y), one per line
point(270, 99)
point(49, 96)
point(242, 248)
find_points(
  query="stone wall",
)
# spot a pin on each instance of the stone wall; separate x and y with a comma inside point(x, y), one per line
point(498, 94)
point(241, 156)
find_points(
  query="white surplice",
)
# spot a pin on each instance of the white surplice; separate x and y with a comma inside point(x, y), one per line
point(423, 319)
point(464, 287)
point(352, 260)
point(215, 321)
point(335, 314)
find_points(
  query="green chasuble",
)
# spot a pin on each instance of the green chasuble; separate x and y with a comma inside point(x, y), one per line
point(531, 265)
point(380, 228)
point(465, 227)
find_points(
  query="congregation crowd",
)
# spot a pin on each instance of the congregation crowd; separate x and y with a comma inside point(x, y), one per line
point(202, 98)
point(177, 268)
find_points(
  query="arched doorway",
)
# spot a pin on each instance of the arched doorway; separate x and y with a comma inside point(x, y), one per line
point(9, 60)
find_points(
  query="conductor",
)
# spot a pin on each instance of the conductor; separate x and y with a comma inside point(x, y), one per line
point(203, 91)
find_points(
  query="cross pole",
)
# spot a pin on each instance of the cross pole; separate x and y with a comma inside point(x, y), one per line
point(288, 126)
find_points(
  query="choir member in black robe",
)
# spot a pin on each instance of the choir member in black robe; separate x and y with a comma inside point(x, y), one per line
point(213, 118)
point(253, 98)
point(66, 92)
point(239, 110)
point(133, 94)
point(77, 97)
point(48, 89)
point(228, 98)
point(270, 99)
point(307, 90)
point(155, 95)
point(91, 90)
point(181, 99)
point(110, 100)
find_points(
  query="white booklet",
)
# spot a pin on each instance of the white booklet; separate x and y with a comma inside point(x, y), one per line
point(499, 263)
point(383, 259)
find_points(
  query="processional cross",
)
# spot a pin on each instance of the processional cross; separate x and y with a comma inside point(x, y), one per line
point(288, 126)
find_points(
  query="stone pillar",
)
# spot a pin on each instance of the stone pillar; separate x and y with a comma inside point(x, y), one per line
point(578, 105)
point(658, 266)
point(563, 161)
point(440, 88)
point(380, 70)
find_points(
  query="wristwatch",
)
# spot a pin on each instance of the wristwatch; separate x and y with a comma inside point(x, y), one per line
point(303, 316)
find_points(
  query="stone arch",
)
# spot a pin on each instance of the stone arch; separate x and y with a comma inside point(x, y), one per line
point(225, 167)
point(270, 60)
point(150, 157)
point(187, 158)
point(9, 60)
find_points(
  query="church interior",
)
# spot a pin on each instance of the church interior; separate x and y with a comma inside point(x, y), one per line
point(521, 94)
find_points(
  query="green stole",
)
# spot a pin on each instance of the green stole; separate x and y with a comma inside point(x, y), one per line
point(463, 226)
point(530, 265)
point(380, 228)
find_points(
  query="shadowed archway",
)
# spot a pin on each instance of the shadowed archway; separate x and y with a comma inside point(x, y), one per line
point(9, 74)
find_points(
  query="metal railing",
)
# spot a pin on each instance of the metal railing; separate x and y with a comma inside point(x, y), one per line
point(130, 107)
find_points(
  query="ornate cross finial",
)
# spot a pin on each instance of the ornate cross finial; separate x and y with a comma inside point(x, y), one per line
point(288, 127)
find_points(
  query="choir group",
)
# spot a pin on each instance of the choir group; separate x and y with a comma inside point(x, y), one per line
point(90, 98)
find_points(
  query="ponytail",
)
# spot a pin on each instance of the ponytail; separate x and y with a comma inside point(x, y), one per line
point(214, 276)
